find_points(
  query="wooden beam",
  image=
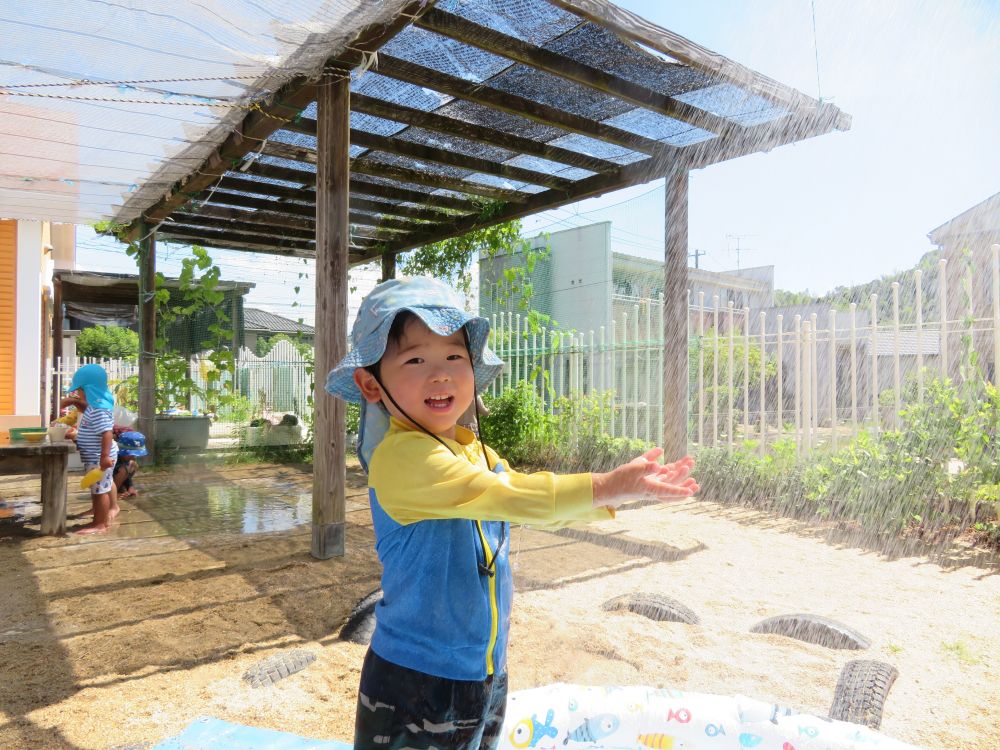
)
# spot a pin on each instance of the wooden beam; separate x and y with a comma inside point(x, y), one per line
point(760, 138)
point(332, 263)
point(365, 165)
point(255, 222)
point(484, 38)
point(264, 232)
point(632, 174)
point(433, 155)
point(637, 29)
point(675, 320)
point(482, 93)
point(367, 211)
point(214, 237)
point(147, 338)
point(286, 104)
point(427, 200)
point(411, 212)
point(470, 131)
point(298, 197)
point(395, 192)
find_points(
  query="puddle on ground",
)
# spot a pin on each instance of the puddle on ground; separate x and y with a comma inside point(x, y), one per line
point(188, 510)
point(231, 508)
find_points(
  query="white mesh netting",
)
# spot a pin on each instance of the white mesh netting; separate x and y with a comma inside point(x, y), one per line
point(103, 105)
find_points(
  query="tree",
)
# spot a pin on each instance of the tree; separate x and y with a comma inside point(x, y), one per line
point(109, 342)
point(452, 259)
point(265, 344)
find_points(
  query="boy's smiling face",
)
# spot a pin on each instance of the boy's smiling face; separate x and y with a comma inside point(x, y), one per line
point(429, 376)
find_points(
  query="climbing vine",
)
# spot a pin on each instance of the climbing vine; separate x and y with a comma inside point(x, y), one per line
point(197, 293)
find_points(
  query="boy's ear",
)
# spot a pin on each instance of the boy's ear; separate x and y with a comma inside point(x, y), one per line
point(368, 385)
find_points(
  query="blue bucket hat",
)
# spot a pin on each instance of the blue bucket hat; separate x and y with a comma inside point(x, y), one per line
point(132, 444)
point(441, 309)
point(94, 381)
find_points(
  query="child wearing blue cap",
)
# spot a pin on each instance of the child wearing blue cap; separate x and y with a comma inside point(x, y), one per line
point(441, 503)
point(95, 440)
point(131, 445)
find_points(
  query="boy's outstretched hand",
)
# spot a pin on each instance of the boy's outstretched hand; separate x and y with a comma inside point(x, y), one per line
point(643, 478)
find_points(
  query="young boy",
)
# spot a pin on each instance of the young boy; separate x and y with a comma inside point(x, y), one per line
point(95, 440)
point(131, 445)
point(435, 675)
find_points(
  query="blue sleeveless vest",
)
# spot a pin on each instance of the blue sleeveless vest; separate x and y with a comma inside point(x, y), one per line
point(446, 602)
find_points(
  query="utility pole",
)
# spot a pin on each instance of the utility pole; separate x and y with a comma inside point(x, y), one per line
point(696, 254)
point(739, 237)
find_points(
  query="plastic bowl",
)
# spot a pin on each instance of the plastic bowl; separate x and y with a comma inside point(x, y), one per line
point(57, 431)
point(34, 437)
point(21, 433)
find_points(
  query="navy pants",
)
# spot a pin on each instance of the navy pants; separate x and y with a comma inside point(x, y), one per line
point(402, 708)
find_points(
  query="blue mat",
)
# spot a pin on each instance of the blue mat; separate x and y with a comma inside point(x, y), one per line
point(214, 734)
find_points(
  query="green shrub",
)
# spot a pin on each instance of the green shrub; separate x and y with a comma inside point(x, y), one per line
point(517, 423)
point(110, 342)
point(352, 418)
point(571, 439)
point(745, 477)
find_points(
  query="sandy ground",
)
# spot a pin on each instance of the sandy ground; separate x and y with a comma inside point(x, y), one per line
point(122, 640)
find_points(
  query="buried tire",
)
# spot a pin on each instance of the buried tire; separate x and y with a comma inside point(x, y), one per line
point(861, 691)
point(278, 667)
point(654, 606)
point(813, 629)
point(361, 622)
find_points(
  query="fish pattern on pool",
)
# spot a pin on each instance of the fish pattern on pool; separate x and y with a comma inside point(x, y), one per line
point(578, 717)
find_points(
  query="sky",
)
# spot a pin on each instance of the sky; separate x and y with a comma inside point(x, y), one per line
point(921, 80)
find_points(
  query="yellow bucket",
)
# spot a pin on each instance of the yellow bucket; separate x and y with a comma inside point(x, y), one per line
point(92, 476)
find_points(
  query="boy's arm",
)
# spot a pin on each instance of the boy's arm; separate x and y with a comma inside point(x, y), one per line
point(417, 479)
point(107, 437)
point(71, 401)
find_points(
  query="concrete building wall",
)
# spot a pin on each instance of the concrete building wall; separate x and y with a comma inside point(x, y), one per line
point(572, 284)
point(580, 270)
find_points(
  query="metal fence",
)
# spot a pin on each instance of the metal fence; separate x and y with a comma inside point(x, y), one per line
point(814, 377)
point(270, 386)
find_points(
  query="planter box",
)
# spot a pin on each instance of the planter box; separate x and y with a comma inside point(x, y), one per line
point(181, 431)
point(277, 435)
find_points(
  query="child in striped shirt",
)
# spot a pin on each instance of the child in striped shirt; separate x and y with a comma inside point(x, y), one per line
point(95, 440)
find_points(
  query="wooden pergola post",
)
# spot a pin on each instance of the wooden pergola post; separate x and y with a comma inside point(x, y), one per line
point(675, 323)
point(147, 338)
point(388, 266)
point(57, 345)
point(332, 243)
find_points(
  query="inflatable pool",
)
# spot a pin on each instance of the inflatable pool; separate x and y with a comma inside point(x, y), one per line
point(573, 717)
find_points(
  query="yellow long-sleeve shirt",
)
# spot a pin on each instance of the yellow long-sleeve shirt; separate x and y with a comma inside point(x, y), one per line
point(416, 478)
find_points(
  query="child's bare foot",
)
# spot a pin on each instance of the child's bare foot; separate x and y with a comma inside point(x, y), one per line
point(113, 511)
point(92, 528)
point(130, 492)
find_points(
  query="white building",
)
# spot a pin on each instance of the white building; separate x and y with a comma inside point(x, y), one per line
point(29, 252)
point(583, 284)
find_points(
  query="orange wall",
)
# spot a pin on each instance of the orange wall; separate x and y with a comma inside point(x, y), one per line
point(8, 313)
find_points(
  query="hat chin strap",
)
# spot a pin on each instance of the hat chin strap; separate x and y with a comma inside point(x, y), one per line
point(475, 402)
point(488, 570)
point(403, 412)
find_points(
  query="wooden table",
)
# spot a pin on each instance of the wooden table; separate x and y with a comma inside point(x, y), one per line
point(51, 461)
